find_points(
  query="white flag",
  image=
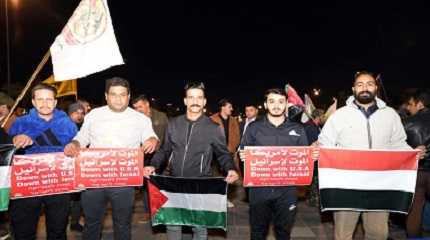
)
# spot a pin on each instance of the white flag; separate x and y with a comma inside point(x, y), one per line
point(87, 43)
point(309, 108)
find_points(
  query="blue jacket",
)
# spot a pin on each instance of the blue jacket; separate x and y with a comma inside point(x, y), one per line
point(47, 136)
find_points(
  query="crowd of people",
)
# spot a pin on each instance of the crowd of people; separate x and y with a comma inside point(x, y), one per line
point(196, 145)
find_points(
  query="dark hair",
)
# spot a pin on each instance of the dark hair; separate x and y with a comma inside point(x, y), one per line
point(74, 107)
point(423, 96)
point(274, 91)
point(251, 105)
point(141, 97)
point(223, 102)
point(116, 81)
point(317, 113)
point(41, 86)
point(6, 100)
point(194, 85)
point(364, 72)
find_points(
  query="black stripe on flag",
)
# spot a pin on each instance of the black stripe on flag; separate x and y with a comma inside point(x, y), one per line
point(6, 154)
point(396, 201)
point(52, 138)
point(210, 185)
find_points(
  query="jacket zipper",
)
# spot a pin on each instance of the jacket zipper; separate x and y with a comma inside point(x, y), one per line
point(369, 135)
point(186, 147)
point(201, 163)
point(170, 160)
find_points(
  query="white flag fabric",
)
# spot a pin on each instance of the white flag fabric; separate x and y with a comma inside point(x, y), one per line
point(309, 108)
point(87, 43)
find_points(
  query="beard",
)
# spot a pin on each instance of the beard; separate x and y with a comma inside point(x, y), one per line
point(277, 113)
point(365, 97)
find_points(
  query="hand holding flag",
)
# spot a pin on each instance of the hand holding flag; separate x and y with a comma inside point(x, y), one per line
point(232, 176)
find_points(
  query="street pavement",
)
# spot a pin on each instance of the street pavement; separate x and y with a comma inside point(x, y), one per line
point(309, 224)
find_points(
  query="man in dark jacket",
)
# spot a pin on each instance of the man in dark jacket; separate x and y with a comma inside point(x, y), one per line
point(5, 140)
point(417, 129)
point(277, 203)
point(189, 143)
point(45, 129)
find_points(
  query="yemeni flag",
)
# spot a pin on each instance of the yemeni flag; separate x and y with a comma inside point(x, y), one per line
point(188, 201)
point(6, 154)
point(367, 180)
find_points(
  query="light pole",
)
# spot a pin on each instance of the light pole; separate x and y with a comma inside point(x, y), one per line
point(6, 14)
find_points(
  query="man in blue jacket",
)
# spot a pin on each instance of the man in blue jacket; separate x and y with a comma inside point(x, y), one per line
point(45, 129)
point(273, 203)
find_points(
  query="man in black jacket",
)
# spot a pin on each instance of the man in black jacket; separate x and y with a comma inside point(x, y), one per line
point(277, 203)
point(189, 143)
point(417, 129)
point(4, 230)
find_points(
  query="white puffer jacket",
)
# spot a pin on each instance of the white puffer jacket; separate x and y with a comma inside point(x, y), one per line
point(348, 127)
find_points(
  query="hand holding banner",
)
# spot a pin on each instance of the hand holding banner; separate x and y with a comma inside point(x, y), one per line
point(97, 168)
point(54, 173)
point(278, 166)
point(42, 174)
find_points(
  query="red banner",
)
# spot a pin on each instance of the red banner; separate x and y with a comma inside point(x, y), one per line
point(42, 174)
point(278, 166)
point(97, 168)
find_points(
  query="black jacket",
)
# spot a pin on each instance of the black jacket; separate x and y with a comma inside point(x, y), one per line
point(4, 137)
point(193, 159)
point(263, 133)
point(417, 129)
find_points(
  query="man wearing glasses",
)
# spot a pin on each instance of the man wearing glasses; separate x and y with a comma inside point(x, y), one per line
point(45, 129)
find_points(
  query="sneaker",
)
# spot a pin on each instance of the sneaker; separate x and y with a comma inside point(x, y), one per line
point(230, 204)
point(4, 234)
point(76, 227)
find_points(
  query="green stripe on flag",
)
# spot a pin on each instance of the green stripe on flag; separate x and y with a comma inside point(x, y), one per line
point(4, 198)
point(169, 216)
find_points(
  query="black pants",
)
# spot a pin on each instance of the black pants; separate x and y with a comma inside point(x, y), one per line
point(272, 203)
point(75, 208)
point(25, 216)
point(94, 205)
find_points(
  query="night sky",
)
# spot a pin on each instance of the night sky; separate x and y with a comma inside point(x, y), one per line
point(239, 49)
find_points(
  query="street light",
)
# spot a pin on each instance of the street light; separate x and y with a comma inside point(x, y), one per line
point(316, 92)
point(6, 15)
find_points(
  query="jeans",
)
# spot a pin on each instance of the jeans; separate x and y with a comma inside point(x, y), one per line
point(272, 203)
point(422, 188)
point(145, 197)
point(94, 205)
point(25, 214)
point(375, 224)
point(174, 232)
point(426, 216)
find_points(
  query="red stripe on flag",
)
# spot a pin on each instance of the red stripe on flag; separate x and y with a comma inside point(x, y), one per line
point(371, 160)
point(156, 198)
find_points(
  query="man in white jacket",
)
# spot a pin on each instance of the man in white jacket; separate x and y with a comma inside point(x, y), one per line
point(365, 122)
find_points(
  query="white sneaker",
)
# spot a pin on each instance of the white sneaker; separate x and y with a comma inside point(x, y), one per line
point(229, 204)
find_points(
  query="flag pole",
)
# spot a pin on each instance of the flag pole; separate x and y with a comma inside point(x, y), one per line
point(27, 86)
point(384, 92)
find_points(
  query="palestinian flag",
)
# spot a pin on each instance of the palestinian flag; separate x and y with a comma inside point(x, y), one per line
point(6, 154)
point(188, 201)
point(367, 180)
